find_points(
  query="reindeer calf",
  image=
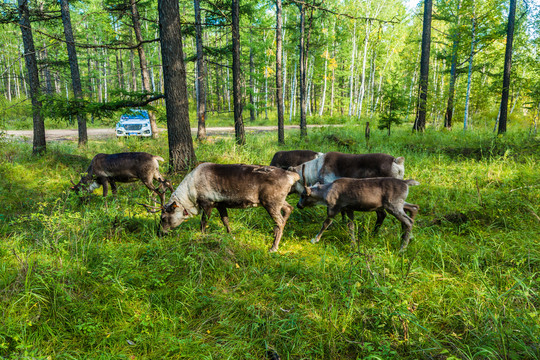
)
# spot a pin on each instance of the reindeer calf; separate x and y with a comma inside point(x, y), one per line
point(374, 194)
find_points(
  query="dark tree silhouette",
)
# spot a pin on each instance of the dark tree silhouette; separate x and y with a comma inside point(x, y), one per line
point(201, 76)
point(181, 153)
point(39, 144)
point(507, 67)
point(237, 91)
point(74, 68)
point(145, 74)
point(453, 75)
point(420, 121)
point(279, 78)
point(303, 71)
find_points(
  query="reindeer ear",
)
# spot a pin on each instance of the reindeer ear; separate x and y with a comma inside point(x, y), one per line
point(186, 212)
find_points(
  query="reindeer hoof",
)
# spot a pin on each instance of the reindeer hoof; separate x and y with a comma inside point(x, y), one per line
point(314, 241)
point(272, 250)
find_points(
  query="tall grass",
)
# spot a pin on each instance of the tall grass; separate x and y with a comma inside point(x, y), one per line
point(93, 280)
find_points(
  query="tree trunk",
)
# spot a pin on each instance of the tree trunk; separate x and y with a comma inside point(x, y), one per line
point(46, 70)
point(326, 55)
point(420, 121)
point(279, 79)
point(252, 114)
point(105, 76)
point(293, 92)
point(201, 76)
point(145, 75)
point(469, 76)
point(181, 153)
point(362, 84)
point(39, 145)
point(74, 68)
point(237, 94)
point(507, 67)
point(351, 77)
point(119, 69)
point(453, 76)
point(303, 70)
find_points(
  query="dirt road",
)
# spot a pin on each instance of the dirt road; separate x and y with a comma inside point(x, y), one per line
point(71, 134)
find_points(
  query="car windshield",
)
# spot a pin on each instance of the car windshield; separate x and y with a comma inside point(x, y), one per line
point(136, 114)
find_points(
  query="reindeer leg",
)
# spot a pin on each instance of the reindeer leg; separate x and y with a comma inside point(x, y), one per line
point(331, 212)
point(224, 217)
point(325, 225)
point(286, 211)
point(207, 210)
point(279, 219)
point(350, 224)
point(105, 185)
point(381, 215)
point(113, 187)
point(406, 226)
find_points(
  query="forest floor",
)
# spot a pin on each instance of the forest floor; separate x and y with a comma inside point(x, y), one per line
point(103, 133)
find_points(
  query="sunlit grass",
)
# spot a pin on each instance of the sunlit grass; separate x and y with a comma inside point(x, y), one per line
point(93, 279)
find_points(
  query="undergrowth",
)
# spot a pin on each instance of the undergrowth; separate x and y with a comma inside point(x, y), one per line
point(91, 279)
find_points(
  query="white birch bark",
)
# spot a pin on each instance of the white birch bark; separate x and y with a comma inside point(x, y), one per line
point(363, 76)
point(469, 77)
point(351, 78)
point(292, 102)
point(324, 86)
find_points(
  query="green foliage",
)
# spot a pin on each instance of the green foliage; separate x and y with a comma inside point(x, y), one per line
point(394, 105)
point(93, 280)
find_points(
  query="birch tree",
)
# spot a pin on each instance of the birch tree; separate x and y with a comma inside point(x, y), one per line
point(201, 76)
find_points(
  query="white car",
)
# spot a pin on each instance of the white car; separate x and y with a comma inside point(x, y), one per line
point(134, 123)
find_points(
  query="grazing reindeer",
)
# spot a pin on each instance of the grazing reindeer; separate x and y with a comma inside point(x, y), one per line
point(374, 194)
point(334, 165)
point(230, 186)
point(286, 159)
point(123, 167)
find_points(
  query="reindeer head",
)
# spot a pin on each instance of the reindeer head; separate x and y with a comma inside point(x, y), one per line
point(172, 215)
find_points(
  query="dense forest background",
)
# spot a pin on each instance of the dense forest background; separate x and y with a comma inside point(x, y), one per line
point(362, 60)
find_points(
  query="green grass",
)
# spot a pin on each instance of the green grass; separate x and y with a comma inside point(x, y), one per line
point(93, 280)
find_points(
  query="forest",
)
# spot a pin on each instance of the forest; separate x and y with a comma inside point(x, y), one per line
point(452, 88)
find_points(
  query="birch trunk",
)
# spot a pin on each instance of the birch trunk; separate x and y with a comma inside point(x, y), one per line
point(251, 85)
point(363, 79)
point(293, 84)
point(351, 78)
point(279, 79)
point(469, 76)
point(321, 110)
point(201, 76)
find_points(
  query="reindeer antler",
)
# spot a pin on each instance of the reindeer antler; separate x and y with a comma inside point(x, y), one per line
point(152, 209)
point(308, 190)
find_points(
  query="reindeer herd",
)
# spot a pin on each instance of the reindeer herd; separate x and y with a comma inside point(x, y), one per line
point(344, 183)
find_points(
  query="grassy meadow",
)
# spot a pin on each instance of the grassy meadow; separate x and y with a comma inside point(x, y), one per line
point(93, 280)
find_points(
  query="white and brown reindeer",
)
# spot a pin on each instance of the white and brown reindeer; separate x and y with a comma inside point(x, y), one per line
point(224, 187)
